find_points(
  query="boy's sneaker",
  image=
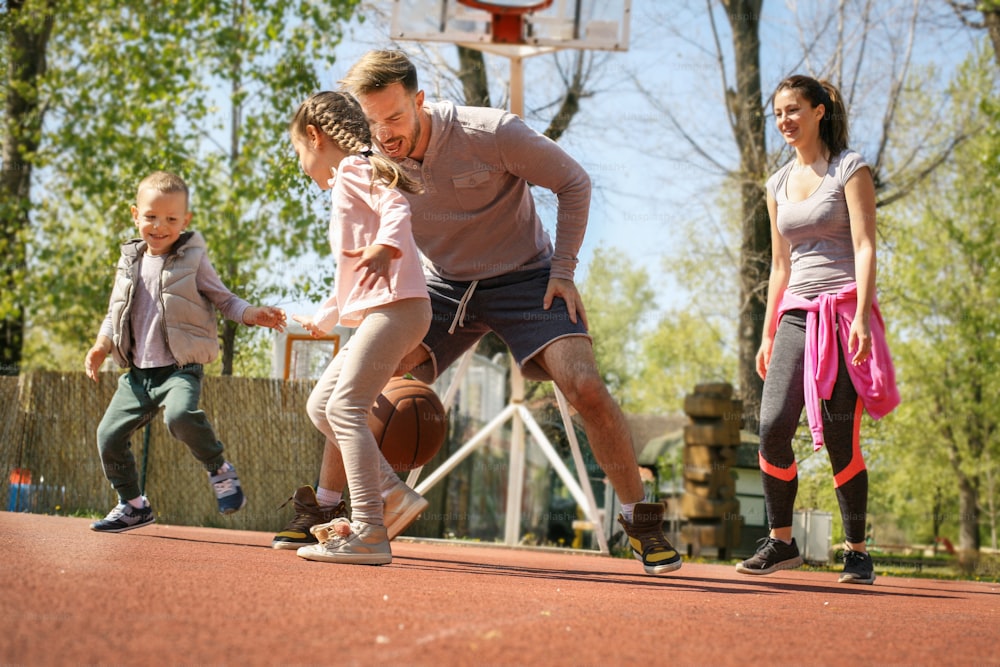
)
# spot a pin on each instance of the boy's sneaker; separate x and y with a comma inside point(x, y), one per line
point(227, 489)
point(772, 555)
point(351, 542)
point(402, 507)
point(124, 517)
point(308, 513)
point(858, 568)
point(649, 545)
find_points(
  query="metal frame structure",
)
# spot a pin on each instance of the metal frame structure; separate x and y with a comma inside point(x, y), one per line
point(521, 418)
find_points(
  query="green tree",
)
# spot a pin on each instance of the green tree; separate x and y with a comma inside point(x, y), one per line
point(651, 359)
point(204, 89)
point(618, 296)
point(944, 285)
point(912, 496)
point(981, 15)
point(683, 351)
point(26, 27)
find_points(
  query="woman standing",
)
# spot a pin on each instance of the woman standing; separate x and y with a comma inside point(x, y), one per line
point(823, 345)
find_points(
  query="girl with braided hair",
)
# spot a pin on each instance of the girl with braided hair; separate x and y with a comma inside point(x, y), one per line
point(380, 290)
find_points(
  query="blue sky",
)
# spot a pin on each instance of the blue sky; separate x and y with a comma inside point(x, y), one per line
point(651, 190)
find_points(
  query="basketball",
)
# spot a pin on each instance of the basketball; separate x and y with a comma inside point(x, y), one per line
point(409, 423)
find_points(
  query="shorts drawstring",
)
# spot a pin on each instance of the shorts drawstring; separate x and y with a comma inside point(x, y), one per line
point(462, 305)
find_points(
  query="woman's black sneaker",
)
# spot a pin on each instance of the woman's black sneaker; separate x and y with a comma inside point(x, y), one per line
point(858, 568)
point(772, 555)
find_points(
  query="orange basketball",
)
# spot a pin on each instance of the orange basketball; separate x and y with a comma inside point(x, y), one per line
point(409, 423)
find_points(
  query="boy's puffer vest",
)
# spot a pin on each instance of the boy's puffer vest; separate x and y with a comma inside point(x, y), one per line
point(190, 324)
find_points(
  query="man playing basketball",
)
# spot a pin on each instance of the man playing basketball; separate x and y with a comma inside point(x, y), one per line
point(492, 266)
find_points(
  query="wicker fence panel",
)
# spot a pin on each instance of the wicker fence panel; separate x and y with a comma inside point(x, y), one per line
point(60, 412)
point(49, 428)
point(11, 428)
point(267, 436)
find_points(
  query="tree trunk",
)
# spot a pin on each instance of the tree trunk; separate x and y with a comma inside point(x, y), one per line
point(968, 497)
point(991, 18)
point(991, 504)
point(228, 346)
point(228, 337)
point(745, 107)
point(28, 31)
point(968, 524)
point(937, 509)
point(570, 104)
point(472, 73)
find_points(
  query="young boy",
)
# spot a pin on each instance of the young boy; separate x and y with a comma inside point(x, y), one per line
point(161, 325)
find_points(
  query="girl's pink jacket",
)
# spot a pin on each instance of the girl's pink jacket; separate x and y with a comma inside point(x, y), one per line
point(829, 316)
point(365, 214)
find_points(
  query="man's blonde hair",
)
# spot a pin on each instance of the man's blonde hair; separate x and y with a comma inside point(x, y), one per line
point(378, 69)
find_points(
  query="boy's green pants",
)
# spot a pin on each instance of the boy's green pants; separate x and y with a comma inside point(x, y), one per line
point(140, 394)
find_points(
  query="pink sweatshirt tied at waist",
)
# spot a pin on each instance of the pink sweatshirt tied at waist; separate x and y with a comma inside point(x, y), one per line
point(827, 317)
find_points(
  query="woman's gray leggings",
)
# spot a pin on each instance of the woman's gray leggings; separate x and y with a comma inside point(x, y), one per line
point(780, 411)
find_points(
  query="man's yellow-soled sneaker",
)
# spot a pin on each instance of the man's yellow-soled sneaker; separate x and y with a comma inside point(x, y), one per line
point(308, 513)
point(649, 545)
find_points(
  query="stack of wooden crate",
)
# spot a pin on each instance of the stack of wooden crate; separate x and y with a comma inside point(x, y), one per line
point(710, 442)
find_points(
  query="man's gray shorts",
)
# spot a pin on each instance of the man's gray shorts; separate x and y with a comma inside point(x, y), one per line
point(509, 305)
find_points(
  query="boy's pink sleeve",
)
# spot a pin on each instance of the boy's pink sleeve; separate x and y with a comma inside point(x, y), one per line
point(210, 284)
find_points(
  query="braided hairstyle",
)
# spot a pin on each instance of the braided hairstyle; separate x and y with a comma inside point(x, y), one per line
point(833, 126)
point(339, 117)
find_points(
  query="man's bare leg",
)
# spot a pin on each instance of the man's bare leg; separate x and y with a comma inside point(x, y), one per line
point(571, 364)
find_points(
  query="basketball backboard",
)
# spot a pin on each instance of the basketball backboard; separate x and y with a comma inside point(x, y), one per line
point(580, 24)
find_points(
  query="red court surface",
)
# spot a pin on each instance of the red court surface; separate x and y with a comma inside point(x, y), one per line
point(169, 595)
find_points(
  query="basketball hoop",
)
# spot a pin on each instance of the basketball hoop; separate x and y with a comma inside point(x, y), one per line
point(515, 28)
point(508, 19)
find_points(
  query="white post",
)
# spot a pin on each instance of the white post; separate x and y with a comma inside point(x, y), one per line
point(517, 86)
point(515, 474)
point(590, 504)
